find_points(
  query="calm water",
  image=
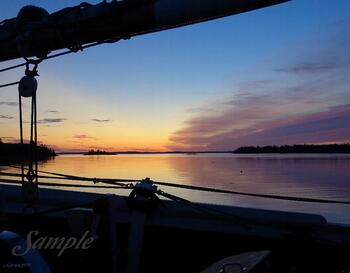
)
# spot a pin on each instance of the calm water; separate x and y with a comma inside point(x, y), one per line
point(318, 176)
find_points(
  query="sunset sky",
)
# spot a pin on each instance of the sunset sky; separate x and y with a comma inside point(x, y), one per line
point(279, 75)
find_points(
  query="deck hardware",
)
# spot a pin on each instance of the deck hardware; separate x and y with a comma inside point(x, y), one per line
point(30, 192)
point(143, 196)
point(27, 86)
point(142, 200)
point(225, 268)
point(29, 208)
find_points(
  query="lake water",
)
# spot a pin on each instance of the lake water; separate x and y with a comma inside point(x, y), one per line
point(317, 176)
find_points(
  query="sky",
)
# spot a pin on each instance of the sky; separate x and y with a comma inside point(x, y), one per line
point(274, 76)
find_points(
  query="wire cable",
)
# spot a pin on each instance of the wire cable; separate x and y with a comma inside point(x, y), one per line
point(12, 67)
point(11, 181)
point(9, 84)
point(37, 61)
point(71, 50)
point(21, 133)
point(207, 189)
point(204, 209)
point(124, 185)
point(268, 196)
point(79, 178)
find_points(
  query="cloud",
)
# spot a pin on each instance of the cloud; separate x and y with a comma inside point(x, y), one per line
point(101, 120)
point(84, 137)
point(51, 120)
point(325, 54)
point(52, 112)
point(100, 148)
point(197, 110)
point(16, 140)
point(311, 67)
point(9, 103)
point(9, 139)
point(330, 125)
point(313, 107)
point(6, 117)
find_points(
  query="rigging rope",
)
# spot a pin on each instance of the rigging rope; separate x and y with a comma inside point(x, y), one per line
point(73, 177)
point(268, 196)
point(12, 67)
point(198, 188)
point(204, 209)
point(27, 88)
point(74, 49)
point(9, 84)
point(21, 133)
point(70, 179)
point(63, 185)
point(32, 170)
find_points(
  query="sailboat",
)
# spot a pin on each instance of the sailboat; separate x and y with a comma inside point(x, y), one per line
point(149, 229)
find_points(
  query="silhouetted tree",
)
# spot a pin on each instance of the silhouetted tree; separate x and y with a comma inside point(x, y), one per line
point(285, 149)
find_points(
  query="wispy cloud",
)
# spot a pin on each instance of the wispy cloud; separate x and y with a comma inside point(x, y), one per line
point(10, 139)
point(330, 125)
point(100, 148)
point(9, 103)
point(52, 112)
point(308, 103)
point(84, 137)
point(100, 120)
point(51, 120)
point(6, 117)
point(196, 110)
point(311, 67)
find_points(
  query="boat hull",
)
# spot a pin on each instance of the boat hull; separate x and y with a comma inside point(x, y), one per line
point(184, 239)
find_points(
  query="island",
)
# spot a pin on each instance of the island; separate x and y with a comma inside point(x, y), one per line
point(11, 153)
point(296, 149)
point(99, 152)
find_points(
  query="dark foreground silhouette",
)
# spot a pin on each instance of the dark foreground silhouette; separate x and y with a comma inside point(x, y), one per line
point(15, 153)
point(296, 149)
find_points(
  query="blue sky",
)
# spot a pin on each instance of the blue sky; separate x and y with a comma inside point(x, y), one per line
point(157, 82)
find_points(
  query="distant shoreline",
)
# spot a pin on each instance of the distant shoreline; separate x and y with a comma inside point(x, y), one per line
point(296, 149)
point(134, 152)
point(11, 153)
point(285, 149)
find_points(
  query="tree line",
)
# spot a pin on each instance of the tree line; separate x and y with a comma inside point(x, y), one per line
point(16, 152)
point(289, 149)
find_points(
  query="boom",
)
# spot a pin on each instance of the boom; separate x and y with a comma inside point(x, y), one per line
point(35, 32)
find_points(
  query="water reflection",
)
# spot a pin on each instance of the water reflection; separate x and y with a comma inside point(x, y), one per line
point(304, 176)
point(325, 176)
